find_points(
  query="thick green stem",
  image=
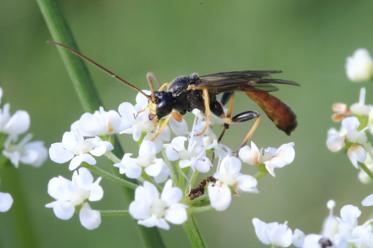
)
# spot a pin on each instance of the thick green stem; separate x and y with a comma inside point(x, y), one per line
point(193, 233)
point(85, 89)
point(19, 227)
point(111, 177)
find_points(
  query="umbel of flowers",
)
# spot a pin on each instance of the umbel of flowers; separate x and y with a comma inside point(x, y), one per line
point(356, 120)
point(16, 145)
point(175, 174)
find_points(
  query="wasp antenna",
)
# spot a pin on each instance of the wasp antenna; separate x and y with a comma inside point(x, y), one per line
point(102, 68)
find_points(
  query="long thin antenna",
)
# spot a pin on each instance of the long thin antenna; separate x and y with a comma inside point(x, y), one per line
point(102, 68)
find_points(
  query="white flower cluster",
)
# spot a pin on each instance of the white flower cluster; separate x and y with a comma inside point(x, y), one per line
point(16, 145)
point(337, 232)
point(352, 136)
point(173, 169)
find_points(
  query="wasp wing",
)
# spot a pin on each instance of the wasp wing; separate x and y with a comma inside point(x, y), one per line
point(240, 80)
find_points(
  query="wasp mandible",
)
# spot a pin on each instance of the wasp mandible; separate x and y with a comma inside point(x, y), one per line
point(185, 93)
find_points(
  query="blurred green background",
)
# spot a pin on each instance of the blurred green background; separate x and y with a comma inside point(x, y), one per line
point(308, 39)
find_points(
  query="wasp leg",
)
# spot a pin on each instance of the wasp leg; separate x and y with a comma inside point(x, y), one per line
point(177, 116)
point(206, 101)
point(228, 116)
point(162, 126)
point(246, 116)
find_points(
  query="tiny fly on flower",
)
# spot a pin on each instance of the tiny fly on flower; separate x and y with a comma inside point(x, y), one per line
point(185, 93)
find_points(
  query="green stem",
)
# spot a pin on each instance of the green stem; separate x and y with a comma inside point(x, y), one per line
point(85, 89)
point(23, 233)
point(114, 212)
point(111, 177)
point(200, 209)
point(366, 170)
point(112, 157)
point(193, 233)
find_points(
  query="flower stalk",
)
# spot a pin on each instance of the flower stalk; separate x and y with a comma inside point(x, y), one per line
point(193, 233)
point(111, 177)
point(84, 87)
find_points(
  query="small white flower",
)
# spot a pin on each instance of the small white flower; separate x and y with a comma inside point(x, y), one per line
point(6, 201)
point(77, 149)
point(135, 118)
point(275, 234)
point(331, 223)
point(100, 123)
point(15, 124)
point(32, 153)
point(70, 194)
point(229, 179)
point(271, 157)
point(359, 67)
point(349, 132)
point(154, 210)
point(155, 167)
point(193, 155)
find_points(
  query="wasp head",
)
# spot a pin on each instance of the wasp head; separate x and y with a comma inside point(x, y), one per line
point(164, 103)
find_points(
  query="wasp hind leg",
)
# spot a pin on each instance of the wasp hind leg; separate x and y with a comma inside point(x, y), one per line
point(228, 97)
point(246, 116)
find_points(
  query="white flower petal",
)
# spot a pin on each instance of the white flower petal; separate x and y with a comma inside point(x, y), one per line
point(260, 231)
point(76, 161)
point(356, 153)
point(64, 210)
point(350, 214)
point(171, 195)
point(335, 141)
point(90, 219)
point(6, 201)
point(247, 183)
point(250, 155)
point(176, 214)
point(220, 196)
point(368, 201)
point(59, 154)
point(155, 168)
point(18, 123)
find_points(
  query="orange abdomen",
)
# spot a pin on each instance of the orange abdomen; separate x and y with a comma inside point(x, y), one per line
point(280, 113)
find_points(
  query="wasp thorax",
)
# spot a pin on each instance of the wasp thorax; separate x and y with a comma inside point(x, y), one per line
point(164, 103)
point(181, 83)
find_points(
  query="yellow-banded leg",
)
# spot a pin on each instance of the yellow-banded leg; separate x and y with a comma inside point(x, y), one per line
point(241, 117)
point(228, 117)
